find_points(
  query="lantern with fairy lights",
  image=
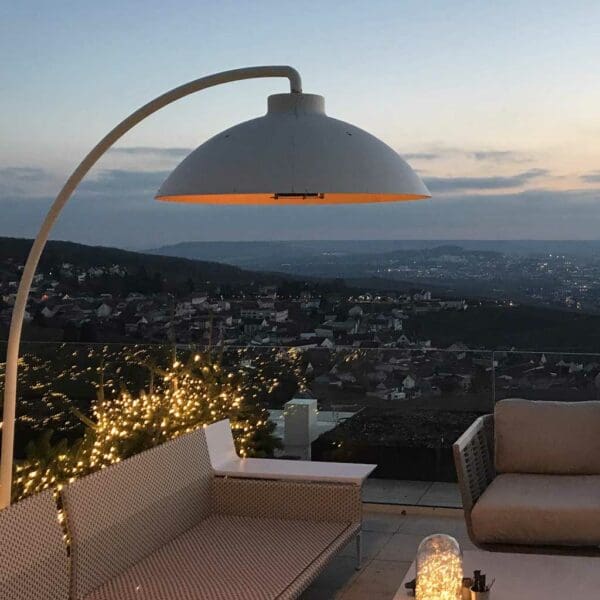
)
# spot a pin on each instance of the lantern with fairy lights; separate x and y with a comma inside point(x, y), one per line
point(439, 568)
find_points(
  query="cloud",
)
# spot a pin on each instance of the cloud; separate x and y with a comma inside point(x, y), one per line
point(421, 155)
point(496, 156)
point(499, 156)
point(593, 177)
point(152, 151)
point(116, 207)
point(494, 182)
point(34, 183)
point(23, 173)
point(120, 182)
point(22, 181)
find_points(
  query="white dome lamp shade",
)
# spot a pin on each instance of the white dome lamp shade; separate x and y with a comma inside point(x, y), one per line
point(295, 154)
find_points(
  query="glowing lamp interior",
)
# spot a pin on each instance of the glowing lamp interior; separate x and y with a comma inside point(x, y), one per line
point(289, 199)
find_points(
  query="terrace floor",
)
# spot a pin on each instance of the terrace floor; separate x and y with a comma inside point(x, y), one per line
point(390, 540)
point(415, 493)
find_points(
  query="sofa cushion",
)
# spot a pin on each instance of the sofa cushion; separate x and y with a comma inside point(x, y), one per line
point(561, 438)
point(539, 510)
point(232, 558)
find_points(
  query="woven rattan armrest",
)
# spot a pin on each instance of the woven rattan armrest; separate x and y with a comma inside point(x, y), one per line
point(474, 460)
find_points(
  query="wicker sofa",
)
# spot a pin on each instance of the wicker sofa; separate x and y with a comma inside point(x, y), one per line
point(160, 525)
point(33, 553)
point(529, 477)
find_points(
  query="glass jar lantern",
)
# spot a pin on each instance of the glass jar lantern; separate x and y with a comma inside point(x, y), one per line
point(439, 569)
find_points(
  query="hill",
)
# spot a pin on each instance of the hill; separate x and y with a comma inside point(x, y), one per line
point(253, 253)
point(175, 269)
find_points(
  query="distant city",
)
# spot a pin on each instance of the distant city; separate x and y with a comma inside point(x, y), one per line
point(411, 341)
point(559, 274)
point(359, 294)
point(68, 304)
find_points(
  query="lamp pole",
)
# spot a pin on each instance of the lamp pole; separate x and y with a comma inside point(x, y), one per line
point(16, 325)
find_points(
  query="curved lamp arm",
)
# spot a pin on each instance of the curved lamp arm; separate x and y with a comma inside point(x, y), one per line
point(16, 325)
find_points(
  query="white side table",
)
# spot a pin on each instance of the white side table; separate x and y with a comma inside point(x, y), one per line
point(226, 463)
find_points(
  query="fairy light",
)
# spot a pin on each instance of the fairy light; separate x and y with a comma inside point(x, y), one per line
point(439, 569)
point(196, 389)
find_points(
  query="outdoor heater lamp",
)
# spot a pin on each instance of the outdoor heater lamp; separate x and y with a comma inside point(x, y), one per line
point(293, 155)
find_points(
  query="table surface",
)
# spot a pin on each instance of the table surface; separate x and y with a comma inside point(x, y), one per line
point(267, 468)
point(530, 576)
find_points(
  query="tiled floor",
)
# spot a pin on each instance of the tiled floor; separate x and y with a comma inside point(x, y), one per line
point(390, 540)
point(416, 493)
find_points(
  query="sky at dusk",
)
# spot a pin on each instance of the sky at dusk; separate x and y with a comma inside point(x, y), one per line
point(496, 105)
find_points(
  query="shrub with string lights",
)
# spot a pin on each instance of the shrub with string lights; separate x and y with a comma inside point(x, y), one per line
point(193, 391)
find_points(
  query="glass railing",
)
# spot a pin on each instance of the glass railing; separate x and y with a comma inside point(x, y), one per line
point(82, 406)
point(558, 376)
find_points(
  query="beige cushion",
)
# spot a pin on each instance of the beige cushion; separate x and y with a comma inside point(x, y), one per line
point(231, 558)
point(547, 437)
point(539, 510)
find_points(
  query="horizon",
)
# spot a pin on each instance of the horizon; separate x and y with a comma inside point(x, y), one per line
point(508, 150)
point(442, 241)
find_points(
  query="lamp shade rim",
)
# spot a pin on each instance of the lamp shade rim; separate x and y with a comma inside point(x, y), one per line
point(271, 199)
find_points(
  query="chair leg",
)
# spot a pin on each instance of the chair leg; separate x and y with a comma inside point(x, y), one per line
point(359, 551)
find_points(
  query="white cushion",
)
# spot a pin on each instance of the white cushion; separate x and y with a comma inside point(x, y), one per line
point(561, 438)
point(539, 510)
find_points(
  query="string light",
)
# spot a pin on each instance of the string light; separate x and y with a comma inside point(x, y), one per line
point(439, 568)
point(196, 389)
